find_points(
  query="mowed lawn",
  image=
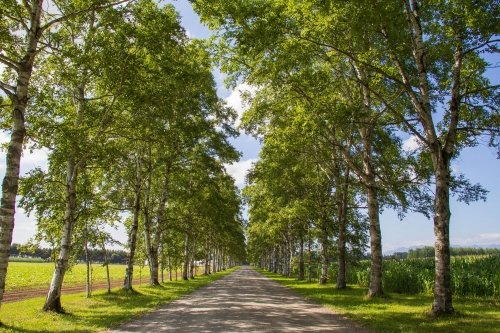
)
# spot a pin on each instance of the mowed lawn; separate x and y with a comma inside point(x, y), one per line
point(98, 313)
point(28, 275)
point(400, 313)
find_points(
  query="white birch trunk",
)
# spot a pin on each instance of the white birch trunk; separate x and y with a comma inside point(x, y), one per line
point(132, 237)
point(10, 182)
point(53, 301)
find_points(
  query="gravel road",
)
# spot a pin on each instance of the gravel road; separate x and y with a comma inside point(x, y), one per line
point(244, 301)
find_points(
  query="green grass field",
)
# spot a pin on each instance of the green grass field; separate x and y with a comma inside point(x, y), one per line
point(100, 312)
point(22, 275)
point(399, 312)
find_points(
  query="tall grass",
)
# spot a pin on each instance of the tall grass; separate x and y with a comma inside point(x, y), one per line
point(470, 275)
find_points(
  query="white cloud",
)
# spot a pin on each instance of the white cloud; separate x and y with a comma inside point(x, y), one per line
point(37, 158)
point(25, 227)
point(239, 170)
point(411, 144)
point(493, 236)
point(483, 239)
point(236, 101)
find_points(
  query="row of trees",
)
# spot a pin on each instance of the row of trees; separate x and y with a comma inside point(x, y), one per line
point(35, 251)
point(341, 85)
point(126, 107)
point(428, 252)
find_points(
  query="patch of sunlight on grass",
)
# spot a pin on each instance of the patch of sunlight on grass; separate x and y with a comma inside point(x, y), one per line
point(100, 312)
point(398, 313)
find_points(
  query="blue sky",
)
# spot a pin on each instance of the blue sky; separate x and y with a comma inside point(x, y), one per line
point(477, 224)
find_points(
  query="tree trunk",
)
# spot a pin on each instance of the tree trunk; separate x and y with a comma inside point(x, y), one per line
point(148, 242)
point(132, 237)
point(375, 288)
point(169, 263)
point(214, 260)
point(342, 197)
point(88, 287)
point(10, 182)
point(53, 301)
point(309, 254)
point(369, 181)
point(323, 279)
point(185, 270)
point(192, 267)
point(442, 303)
point(106, 263)
point(207, 258)
point(221, 259)
point(275, 260)
point(301, 258)
point(442, 281)
point(155, 244)
point(162, 263)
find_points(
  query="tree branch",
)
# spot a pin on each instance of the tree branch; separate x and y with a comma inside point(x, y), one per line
point(477, 47)
point(7, 89)
point(481, 129)
point(27, 5)
point(82, 11)
point(451, 137)
point(9, 62)
point(18, 20)
point(475, 91)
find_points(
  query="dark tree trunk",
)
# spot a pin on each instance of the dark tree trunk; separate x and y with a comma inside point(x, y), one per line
point(309, 254)
point(375, 288)
point(207, 258)
point(185, 270)
point(442, 283)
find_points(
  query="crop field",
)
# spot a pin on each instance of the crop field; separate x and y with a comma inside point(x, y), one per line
point(470, 275)
point(33, 275)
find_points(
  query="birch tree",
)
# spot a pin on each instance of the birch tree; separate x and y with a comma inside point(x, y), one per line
point(26, 32)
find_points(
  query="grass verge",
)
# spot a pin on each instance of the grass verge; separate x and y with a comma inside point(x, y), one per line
point(400, 312)
point(100, 312)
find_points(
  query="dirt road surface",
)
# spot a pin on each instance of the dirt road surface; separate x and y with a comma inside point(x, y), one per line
point(26, 293)
point(244, 301)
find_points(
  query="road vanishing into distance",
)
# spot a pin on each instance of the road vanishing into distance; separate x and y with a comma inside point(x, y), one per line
point(244, 301)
